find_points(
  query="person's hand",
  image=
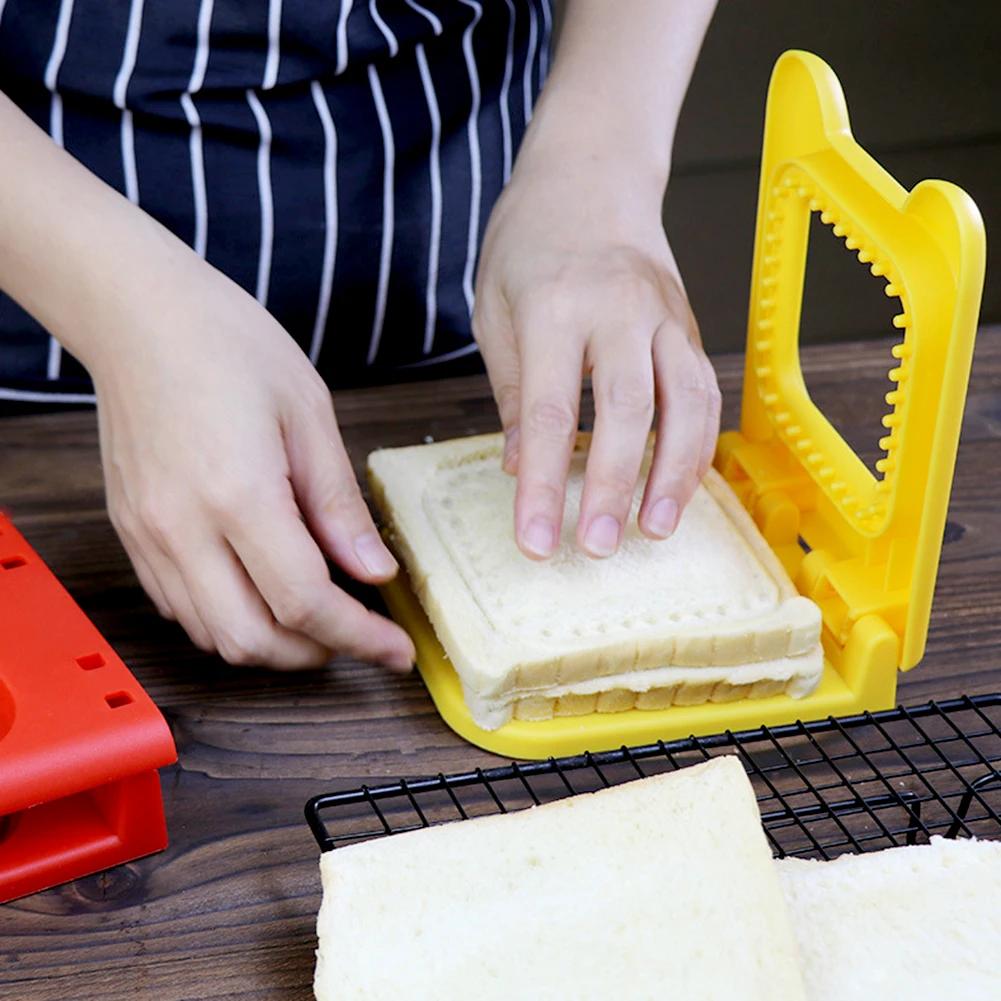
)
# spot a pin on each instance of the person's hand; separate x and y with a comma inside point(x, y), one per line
point(227, 479)
point(576, 277)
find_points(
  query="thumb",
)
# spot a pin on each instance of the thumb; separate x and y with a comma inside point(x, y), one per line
point(328, 494)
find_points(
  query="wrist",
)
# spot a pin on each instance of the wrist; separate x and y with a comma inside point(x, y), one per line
point(613, 98)
point(597, 143)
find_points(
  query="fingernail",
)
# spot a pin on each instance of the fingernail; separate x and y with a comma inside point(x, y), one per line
point(663, 517)
point(602, 538)
point(510, 448)
point(375, 557)
point(539, 537)
point(402, 663)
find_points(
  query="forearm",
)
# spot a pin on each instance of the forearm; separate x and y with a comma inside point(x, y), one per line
point(73, 250)
point(618, 81)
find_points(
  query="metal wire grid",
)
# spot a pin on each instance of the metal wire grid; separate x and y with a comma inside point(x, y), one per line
point(858, 783)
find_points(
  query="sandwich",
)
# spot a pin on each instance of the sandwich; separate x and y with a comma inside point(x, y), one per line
point(707, 615)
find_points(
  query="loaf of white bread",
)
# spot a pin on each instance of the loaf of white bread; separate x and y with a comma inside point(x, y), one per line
point(707, 615)
point(659, 888)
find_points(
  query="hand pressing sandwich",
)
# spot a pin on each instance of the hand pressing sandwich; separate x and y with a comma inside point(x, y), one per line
point(577, 277)
point(226, 476)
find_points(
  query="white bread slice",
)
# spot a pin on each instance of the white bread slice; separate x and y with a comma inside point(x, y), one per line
point(659, 888)
point(920, 923)
point(708, 614)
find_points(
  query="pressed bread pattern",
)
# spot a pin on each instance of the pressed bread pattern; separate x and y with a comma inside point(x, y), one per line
point(469, 507)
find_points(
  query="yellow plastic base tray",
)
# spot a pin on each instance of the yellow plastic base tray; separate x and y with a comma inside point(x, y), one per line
point(564, 735)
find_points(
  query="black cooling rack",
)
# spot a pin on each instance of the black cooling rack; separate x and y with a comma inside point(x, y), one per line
point(857, 783)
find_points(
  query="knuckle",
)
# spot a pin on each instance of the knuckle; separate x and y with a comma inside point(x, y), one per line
point(508, 399)
point(561, 304)
point(242, 646)
point(552, 418)
point(199, 638)
point(342, 500)
point(683, 484)
point(315, 397)
point(544, 496)
point(715, 407)
point(636, 295)
point(694, 389)
point(157, 519)
point(619, 482)
point(166, 613)
point(224, 498)
point(491, 315)
point(715, 397)
point(552, 303)
point(631, 397)
point(294, 610)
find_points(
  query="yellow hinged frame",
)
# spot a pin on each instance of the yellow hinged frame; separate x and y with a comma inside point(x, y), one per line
point(874, 541)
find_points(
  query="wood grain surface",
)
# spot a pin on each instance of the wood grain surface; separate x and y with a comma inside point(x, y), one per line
point(228, 910)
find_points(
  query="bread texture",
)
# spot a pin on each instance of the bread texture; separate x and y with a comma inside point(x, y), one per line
point(919, 923)
point(660, 887)
point(707, 615)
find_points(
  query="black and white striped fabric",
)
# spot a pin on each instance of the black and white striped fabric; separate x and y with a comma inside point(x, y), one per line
point(337, 158)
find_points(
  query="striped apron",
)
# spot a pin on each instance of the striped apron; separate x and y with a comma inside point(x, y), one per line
point(337, 158)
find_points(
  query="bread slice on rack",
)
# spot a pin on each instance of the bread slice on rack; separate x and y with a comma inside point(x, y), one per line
point(919, 923)
point(659, 887)
point(707, 615)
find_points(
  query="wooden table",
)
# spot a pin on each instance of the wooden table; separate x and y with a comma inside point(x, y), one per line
point(228, 910)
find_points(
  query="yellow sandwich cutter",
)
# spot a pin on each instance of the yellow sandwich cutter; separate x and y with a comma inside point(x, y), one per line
point(865, 548)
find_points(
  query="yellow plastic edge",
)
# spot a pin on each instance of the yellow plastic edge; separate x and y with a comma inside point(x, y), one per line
point(563, 735)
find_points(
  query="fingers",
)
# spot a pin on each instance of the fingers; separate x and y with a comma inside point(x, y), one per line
point(242, 627)
point(649, 355)
point(248, 581)
point(301, 596)
point(623, 386)
point(149, 582)
point(289, 573)
point(328, 494)
point(688, 402)
point(495, 338)
point(547, 429)
point(206, 589)
point(162, 582)
point(713, 413)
